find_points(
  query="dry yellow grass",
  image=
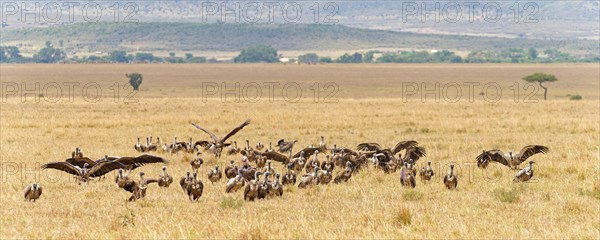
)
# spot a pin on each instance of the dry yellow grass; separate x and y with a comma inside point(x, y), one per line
point(562, 201)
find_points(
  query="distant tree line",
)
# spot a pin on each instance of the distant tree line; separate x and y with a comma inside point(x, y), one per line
point(267, 54)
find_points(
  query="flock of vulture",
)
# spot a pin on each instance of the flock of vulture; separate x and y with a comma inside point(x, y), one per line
point(302, 168)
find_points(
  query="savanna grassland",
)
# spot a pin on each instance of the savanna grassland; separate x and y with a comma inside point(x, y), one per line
point(561, 201)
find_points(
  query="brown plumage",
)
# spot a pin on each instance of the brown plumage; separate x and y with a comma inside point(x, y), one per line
point(426, 172)
point(185, 181)
point(251, 190)
point(407, 179)
point(197, 162)
point(309, 179)
point(510, 160)
point(219, 143)
point(285, 146)
point(195, 188)
point(450, 180)
point(344, 175)
point(233, 149)
point(33, 192)
point(525, 174)
point(290, 176)
point(276, 187)
point(396, 149)
point(84, 174)
point(235, 183)
point(165, 179)
point(231, 170)
point(214, 175)
point(139, 187)
point(264, 187)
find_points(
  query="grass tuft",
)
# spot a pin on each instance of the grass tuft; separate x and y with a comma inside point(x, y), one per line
point(402, 216)
point(412, 195)
point(230, 202)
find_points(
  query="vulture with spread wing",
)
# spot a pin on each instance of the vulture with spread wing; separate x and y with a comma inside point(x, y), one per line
point(510, 160)
point(219, 143)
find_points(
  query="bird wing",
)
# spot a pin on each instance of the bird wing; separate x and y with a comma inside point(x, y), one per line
point(529, 151)
point(80, 161)
point(368, 147)
point(27, 190)
point(493, 155)
point(151, 180)
point(349, 151)
point(403, 145)
point(40, 189)
point(307, 152)
point(103, 168)
point(109, 158)
point(275, 156)
point(212, 135)
point(201, 143)
point(236, 129)
point(141, 160)
point(414, 153)
point(63, 166)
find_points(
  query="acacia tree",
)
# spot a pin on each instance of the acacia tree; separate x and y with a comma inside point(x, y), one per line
point(541, 78)
point(135, 79)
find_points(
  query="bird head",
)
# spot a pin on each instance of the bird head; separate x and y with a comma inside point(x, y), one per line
point(217, 168)
point(34, 186)
point(164, 168)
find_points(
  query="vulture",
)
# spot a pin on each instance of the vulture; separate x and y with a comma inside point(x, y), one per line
point(153, 147)
point(345, 174)
point(322, 145)
point(138, 189)
point(233, 149)
point(426, 172)
point(309, 179)
point(324, 176)
point(525, 174)
point(235, 183)
point(285, 146)
point(131, 163)
point(276, 187)
point(122, 180)
point(77, 153)
point(197, 162)
point(251, 190)
point(33, 192)
point(269, 168)
point(219, 143)
point(139, 147)
point(84, 174)
point(412, 155)
point(164, 179)
point(214, 175)
point(451, 180)
point(327, 164)
point(312, 162)
point(290, 176)
point(194, 188)
point(510, 160)
point(407, 179)
point(259, 146)
point(231, 170)
point(377, 148)
point(185, 180)
point(264, 187)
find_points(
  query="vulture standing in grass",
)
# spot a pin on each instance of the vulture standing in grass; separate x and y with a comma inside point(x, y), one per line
point(235, 183)
point(219, 143)
point(233, 149)
point(231, 170)
point(139, 188)
point(197, 162)
point(185, 181)
point(426, 172)
point(344, 175)
point(264, 187)
point(33, 192)
point(525, 174)
point(195, 188)
point(309, 178)
point(407, 178)
point(139, 147)
point(259, 146)
point(276, 187)
point(122, 179)
point(214, 175)
point(78, 154)
point(164, 179)
point(290, 176)
point(510, 160)
point(450, 180)
point(251, 190)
